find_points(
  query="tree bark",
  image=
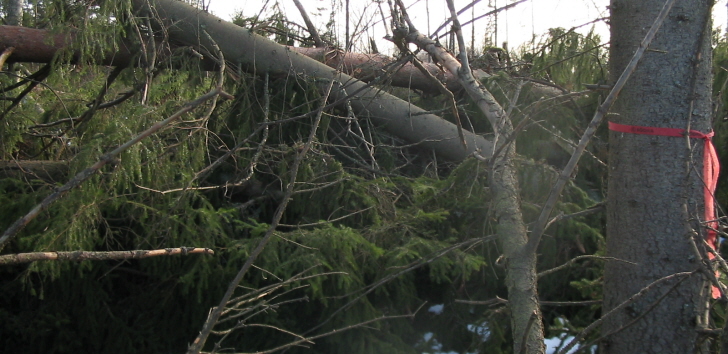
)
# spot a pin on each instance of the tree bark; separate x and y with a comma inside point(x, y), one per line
point(367, 67)
point(14, 12)
point(652, 178)
point(184, 25)
point(40, 46)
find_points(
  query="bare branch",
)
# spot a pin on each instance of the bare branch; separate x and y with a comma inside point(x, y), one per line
point(5, 55)
point(336, 331)
point(682, 277)
point(447, 22)
point(214, 316)
point(575, 259)
point(78, 256)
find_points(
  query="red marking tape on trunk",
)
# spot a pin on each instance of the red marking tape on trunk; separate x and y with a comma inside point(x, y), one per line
point(711, 169)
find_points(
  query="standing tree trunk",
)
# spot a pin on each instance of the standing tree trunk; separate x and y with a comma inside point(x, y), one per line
point(14, 12)
point(653, 179)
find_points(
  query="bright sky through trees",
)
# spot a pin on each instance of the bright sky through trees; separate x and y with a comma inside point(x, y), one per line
point(516, 26)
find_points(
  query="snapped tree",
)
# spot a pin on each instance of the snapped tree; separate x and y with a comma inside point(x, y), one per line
point(335, 209)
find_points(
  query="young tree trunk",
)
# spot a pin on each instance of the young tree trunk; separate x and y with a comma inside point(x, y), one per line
point(655, 194)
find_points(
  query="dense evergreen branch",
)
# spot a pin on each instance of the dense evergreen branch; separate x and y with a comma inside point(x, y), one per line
point(421, 262)
point(110, 157)
point(40, 75)
point(217, 311)
point(78, 256)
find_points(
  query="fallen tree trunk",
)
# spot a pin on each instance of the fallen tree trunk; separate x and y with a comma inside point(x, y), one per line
point(41, 46)
point(367, 67)
point(184, 24)
point(259, 54)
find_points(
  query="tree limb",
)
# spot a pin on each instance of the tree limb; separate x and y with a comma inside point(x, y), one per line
point(78, 256)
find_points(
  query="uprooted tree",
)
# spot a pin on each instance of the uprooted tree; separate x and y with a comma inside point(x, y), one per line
point(343, 214)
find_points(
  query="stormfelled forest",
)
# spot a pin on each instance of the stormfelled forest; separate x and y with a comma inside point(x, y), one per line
point(171, 182)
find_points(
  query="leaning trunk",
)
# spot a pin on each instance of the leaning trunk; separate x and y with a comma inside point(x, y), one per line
point(184, 24)
point(655, 195)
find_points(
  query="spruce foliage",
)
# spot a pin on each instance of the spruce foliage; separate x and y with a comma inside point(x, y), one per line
point(374, 227)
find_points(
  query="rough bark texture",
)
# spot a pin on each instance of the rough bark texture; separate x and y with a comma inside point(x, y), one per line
point(646, 223)
point(521, 276)
point(255, 53)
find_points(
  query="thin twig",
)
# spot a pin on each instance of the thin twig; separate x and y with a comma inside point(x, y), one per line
point(214, 316)
point(328, 221)
point(447, 22)
point(632, 299)
point(630, 323)
point(575, 259)
point(336, 331)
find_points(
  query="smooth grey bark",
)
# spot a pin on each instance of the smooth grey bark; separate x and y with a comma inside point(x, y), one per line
point(184, 25)
point(652, 177)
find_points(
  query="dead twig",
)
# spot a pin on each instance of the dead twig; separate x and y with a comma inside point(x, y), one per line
point(217, 311)
point(336, 331)
point(575, 259)
point(683, 276)
point(78, 256)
